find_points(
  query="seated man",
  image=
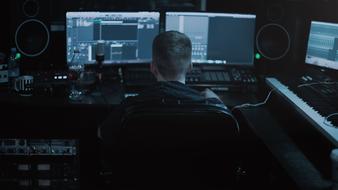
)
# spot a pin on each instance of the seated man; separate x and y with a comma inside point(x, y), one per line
point(171, 62)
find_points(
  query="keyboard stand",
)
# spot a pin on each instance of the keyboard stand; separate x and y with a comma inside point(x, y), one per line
point(287, 153)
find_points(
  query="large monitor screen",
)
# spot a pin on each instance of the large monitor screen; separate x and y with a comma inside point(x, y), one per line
point(322, 47)
point(217, 38)
point(127, 36)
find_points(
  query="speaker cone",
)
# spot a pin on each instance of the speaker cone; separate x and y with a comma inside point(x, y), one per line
point(30, 8)
point(273, 41)
point(32, 37)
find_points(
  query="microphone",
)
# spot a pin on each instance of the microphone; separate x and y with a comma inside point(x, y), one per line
point(100, 51)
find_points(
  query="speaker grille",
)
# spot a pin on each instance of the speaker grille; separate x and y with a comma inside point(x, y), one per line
point(32, 37)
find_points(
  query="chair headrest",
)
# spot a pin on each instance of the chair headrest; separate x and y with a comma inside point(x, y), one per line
point(171, 109)
point(163, 104)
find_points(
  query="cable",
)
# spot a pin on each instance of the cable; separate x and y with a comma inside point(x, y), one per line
point(254, 105)
point(326, 120)
point(268, 96)
point(249, 105)
point(236, 122)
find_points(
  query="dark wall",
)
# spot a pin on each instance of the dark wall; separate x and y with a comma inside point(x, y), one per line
point(4, 28)
point(296, 14)
point(52, 13)
point(312, 8)
point(232, 6)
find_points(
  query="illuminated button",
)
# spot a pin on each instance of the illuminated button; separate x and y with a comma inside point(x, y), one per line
point(258, 56)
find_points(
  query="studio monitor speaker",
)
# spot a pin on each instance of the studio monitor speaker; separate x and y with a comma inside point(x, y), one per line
point(32, 38)
point(31, 33)
point(277, 26)
point(273, 41)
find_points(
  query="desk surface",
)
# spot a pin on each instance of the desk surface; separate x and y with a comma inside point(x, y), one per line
point(105, 94)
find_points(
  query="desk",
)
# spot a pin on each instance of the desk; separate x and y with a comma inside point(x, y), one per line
point(88, 111)
point(74, 118)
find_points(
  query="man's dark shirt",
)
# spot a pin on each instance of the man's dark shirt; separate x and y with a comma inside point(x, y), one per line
point(172, 90)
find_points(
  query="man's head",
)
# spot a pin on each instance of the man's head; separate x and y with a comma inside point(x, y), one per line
point(171, 56)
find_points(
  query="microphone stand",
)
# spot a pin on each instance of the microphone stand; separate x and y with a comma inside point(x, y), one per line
point(100, 58)
point(99, 61)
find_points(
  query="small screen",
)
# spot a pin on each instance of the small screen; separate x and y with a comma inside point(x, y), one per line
point(127, 36)
point(322, 47)
point(217, 38)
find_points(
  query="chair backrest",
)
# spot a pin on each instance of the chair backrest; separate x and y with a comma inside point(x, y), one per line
point(180, 142)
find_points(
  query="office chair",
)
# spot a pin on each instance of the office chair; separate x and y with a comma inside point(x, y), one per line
point(177, 145)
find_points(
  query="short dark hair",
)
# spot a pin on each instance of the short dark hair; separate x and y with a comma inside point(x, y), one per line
point(172, 54)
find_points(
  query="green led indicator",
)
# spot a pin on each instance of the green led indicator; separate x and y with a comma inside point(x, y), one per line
point(17, 56)
point(258, 56)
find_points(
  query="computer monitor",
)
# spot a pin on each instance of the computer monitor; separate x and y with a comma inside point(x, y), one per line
point(127, 36)
point(322, 47)
point(217, 38)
